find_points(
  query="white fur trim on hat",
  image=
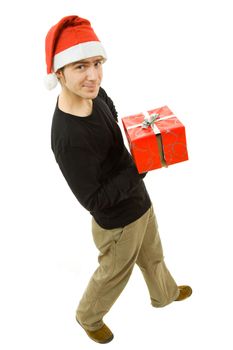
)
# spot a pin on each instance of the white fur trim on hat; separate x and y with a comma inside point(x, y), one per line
point(51, 81)
point(77, 53)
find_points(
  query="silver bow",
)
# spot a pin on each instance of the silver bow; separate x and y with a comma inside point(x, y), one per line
point(149, 120)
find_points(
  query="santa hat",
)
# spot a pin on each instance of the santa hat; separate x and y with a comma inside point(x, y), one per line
point(70, 40)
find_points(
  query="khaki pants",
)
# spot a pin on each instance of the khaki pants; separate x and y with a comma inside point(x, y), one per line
point(120, 249)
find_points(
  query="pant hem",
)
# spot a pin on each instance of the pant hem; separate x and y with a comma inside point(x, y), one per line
point(159, 305)
point(89, 328)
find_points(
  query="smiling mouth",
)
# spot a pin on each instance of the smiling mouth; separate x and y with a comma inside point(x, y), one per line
point(90, 86)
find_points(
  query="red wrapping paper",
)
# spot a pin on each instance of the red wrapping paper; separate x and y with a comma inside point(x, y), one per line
point(154, 147)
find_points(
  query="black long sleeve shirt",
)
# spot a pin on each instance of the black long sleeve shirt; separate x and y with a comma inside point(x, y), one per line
point(98, 168)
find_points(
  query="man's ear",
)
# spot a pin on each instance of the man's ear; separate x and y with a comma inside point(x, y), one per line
point(60, 76)
point(59, 73)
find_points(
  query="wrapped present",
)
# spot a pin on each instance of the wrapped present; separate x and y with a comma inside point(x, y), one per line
point(156, 139)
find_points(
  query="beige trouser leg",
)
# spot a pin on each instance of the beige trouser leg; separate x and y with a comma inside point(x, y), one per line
point(161, 285)
point(120, 249)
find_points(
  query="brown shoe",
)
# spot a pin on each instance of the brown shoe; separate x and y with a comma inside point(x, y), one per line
point(102, 335)
point(185, 292)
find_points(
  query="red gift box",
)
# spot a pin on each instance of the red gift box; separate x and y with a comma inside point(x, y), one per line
point(156, 138)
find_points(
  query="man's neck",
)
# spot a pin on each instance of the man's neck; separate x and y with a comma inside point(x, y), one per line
point(73, 104)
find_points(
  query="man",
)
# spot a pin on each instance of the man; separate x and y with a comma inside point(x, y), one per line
point(89, 149)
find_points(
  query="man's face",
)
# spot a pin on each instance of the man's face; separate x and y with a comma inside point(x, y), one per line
point(82, 78)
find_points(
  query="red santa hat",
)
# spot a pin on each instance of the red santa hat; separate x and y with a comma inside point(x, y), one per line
point(70, 40)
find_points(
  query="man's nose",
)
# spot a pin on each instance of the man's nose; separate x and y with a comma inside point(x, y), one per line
point(92, 73)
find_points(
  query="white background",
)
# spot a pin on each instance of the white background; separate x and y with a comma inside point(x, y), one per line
point(177, 53)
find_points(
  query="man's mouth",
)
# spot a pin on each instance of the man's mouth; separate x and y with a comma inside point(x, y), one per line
point(90, 86)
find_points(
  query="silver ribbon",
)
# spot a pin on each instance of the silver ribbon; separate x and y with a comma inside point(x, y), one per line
point(149, 121)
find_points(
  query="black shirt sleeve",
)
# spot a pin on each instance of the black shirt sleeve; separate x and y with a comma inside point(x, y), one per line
point(109, 102)
point(83, 174)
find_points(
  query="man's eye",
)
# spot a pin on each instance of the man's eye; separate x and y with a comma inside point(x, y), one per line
point(79, 67)
point(99, 63)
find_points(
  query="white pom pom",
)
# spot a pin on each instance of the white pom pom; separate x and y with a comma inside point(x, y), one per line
point(51, 81)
